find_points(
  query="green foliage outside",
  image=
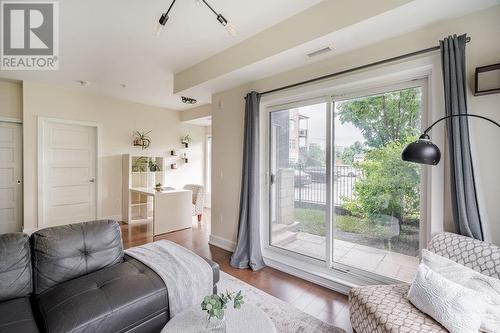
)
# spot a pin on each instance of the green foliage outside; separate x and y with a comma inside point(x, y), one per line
point(388, 185)
point(313, 157)
point(347, 156)
point(386, 118)
point(312, 221)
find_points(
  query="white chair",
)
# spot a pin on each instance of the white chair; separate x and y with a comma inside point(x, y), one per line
point(198, 199)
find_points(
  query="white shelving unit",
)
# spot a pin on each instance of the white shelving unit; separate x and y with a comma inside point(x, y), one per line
point(138, 207)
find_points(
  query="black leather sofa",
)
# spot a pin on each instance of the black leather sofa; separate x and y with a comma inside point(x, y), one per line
point(76, 278)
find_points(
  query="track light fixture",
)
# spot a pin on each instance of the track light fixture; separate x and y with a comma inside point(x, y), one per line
point(158, 28)
point(188, 100)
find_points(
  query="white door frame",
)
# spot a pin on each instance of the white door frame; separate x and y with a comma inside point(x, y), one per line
point(207, 174)
point(21, 203)
point(427, 68)
point(42, 121)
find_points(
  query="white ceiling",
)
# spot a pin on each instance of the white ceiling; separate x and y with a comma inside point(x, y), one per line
point(110, 43)
point(410, 17)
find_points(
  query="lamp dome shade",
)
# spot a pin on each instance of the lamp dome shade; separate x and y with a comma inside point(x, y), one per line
point(422, 151)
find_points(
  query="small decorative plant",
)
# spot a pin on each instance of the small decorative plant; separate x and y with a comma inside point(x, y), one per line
point(186, 140)
point(154, 166)
point(142, 139)
point(214, 305)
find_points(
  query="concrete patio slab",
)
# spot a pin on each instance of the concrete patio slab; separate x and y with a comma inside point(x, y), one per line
point(379, 261)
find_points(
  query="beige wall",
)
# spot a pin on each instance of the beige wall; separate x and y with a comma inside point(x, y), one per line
point(11, 100)
point(119, 119)
point(197, 112)
point(227, 120)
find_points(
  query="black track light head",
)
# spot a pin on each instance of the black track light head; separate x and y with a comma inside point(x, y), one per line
point(221, 19)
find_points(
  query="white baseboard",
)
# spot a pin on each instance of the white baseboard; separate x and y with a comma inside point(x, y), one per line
point(30, 231)
point(222, 243)
point(304, 274)
point(117, 218)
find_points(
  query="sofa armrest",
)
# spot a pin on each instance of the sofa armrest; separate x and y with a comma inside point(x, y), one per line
point(215, 271)
point(475, 254)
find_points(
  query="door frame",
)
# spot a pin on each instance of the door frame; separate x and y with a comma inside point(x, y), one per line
point(21, 146)
point(329, 165)
point(424, 236)
point(427, 68)
point(41, 123)
point(207, 170)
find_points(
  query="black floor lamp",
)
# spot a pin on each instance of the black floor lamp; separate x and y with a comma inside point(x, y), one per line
point(423, 151)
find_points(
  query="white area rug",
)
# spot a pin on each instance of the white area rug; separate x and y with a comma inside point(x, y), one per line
point(286, 318)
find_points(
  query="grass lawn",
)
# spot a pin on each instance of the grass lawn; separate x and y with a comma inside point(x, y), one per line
point(360, 231)
point(313, 221)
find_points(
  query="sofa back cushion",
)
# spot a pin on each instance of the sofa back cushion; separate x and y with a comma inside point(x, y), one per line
point(67, 252)
point(15, 266)
point(480, 256)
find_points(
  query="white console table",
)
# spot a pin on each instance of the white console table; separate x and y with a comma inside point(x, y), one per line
point(172, 209)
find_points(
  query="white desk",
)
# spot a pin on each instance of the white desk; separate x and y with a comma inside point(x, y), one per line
point(172, 209)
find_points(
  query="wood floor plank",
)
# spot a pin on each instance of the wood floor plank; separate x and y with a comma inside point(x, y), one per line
point(323, 303)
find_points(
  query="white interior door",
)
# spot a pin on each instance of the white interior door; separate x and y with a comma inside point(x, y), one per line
point(69, 169)
point(10, 177)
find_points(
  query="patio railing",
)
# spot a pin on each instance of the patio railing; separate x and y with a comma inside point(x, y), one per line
point(310, 184)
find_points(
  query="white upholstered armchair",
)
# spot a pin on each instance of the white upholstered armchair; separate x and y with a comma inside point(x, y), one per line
point(198, 199)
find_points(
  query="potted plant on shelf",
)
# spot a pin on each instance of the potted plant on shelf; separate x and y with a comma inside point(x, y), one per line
point(186, 140)
point(142, 139)
point(214, 306)
point(154, 167)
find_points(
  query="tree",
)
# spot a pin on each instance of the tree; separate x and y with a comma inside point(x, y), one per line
point(347, 156)
point(386, 118)
point(388, 185)
point(314, 156)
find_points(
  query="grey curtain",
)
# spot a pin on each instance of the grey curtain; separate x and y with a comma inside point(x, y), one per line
point(463, 197)
point(248, 251)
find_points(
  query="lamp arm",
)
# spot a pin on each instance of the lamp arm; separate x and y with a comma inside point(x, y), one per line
point(460, 115)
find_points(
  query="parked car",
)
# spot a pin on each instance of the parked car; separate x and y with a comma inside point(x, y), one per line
point(318, 175)
point(302, 178)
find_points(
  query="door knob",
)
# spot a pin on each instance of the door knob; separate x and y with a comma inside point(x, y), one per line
point(91, 180)
point(19, 181)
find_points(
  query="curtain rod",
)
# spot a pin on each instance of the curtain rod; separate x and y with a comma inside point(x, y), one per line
point(376, 63)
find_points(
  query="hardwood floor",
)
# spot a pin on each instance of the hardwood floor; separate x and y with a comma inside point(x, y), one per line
point(325, 304)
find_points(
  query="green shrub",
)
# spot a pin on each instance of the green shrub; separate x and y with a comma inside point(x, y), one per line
point(388, 185)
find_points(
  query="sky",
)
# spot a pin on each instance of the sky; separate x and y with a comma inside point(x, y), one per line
point(345, 134)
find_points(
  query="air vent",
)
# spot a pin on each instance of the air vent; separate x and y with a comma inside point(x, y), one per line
point(319, 52)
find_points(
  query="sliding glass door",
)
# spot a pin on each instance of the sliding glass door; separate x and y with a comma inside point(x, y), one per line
point(377, 195)
point(298, 189)
point(339, 191)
